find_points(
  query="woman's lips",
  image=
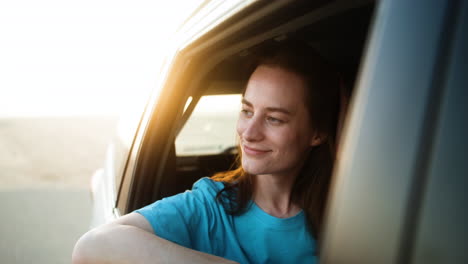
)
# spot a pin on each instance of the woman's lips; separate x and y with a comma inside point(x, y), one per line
point(253, 151)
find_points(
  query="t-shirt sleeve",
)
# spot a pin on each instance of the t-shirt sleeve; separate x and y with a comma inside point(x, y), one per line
point(181, 217)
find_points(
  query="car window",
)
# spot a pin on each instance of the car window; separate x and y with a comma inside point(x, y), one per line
point(211, 127)
point(216, 66)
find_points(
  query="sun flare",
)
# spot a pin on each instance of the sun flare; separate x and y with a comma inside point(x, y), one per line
point(60, 58)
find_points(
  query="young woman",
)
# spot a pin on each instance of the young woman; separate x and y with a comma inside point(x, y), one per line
point(270, 209)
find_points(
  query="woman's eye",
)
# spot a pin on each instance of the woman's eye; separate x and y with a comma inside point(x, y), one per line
point(246, 112)
point(275, 121)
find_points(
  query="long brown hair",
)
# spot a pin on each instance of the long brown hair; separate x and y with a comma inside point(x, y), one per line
point(310, 189)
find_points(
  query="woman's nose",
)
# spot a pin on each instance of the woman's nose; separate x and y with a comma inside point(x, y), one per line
point(253, 130)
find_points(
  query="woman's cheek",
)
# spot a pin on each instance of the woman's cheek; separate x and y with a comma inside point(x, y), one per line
point(284, 136)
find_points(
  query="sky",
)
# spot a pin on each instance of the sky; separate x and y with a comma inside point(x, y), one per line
point(87, 57)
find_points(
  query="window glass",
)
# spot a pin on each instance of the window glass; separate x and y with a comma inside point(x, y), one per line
point(211, 129)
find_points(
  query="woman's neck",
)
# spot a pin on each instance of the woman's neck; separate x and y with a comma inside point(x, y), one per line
point(273, 195)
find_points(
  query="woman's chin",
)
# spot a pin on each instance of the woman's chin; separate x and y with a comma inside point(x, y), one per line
point(254, 169)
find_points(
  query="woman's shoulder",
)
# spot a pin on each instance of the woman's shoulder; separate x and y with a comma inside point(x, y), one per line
point(208, 185)
point(202, 195)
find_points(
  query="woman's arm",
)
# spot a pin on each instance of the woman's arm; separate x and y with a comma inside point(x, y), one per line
point(130, 239)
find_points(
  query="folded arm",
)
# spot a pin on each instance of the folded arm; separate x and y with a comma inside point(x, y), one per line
point(130, 239)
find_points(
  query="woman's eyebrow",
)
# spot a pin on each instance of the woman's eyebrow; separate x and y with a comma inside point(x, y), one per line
point(246, 102)
point(269, 109)
point(278, 109)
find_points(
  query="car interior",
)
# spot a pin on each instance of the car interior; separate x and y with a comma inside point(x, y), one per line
point(174, 151)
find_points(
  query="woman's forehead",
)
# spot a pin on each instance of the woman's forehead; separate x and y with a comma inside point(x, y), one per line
point(275, 87)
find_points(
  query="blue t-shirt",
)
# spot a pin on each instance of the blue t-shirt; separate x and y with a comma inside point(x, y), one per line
point(194, 219)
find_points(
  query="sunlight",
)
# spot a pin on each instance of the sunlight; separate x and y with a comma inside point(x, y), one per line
point(220, 103)
point(63, 58)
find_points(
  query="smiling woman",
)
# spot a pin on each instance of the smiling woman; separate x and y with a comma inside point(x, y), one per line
point(270, 208)
point(274, 126)
point(288, 119)
point(82, 58)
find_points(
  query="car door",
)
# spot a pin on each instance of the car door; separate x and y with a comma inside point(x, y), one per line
point(398, 193)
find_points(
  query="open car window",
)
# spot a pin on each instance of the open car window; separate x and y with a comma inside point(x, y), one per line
point(191, 132)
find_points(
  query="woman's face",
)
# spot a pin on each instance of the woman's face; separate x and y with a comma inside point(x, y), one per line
point(274, 126)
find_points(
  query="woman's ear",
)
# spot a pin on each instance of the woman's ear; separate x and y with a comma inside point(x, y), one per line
point(317, 139)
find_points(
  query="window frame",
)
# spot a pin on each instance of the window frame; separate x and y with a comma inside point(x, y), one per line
point(186, 78)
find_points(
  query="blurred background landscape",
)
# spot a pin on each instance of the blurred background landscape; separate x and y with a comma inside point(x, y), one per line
point(52, 152)
point(69, 71)
point(46, 166)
